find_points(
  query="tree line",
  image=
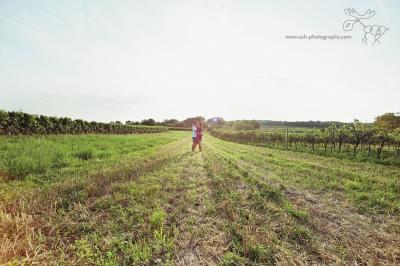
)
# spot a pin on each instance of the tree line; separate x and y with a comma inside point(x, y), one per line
point(380, 139)
point(171, 123)
point(20, 123)
point(305, 124)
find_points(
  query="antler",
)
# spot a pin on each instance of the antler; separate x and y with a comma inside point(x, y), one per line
point(353, 13)
point(368, 14)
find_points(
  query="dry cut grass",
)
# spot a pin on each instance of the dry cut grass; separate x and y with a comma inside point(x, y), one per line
point(231, 204)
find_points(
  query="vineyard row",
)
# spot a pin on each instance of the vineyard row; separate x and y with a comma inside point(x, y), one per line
point(19, 123)
point(359, 140)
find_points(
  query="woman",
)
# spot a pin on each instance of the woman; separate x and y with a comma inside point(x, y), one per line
point(197, 135)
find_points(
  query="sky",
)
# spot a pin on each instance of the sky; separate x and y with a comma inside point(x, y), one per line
point(130, 60)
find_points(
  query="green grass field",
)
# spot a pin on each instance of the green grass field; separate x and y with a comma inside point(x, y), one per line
point(148, 200)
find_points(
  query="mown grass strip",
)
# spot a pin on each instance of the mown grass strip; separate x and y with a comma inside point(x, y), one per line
point(35, 224)
point(372, 188)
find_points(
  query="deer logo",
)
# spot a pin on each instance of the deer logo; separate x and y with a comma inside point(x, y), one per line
point(372, 33)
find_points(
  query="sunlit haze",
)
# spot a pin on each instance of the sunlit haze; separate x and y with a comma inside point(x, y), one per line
point(130, 60)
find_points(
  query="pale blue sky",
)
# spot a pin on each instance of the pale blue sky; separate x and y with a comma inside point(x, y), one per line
point(130, 60)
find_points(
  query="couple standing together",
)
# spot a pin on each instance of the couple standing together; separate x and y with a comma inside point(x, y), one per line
point(197, 134)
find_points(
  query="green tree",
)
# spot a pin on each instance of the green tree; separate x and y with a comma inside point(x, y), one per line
point(149, 122)
point(215, 122)
point(388, 121)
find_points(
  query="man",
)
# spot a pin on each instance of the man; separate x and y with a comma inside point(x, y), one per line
point(194, 135)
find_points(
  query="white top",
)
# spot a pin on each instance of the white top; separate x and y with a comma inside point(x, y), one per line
point(194, 129)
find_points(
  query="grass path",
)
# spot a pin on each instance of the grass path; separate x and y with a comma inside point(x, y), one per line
point(199, 236)
point(232, 204)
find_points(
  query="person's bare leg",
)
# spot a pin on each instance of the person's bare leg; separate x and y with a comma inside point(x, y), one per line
point(194, 145)
point(200, 146)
